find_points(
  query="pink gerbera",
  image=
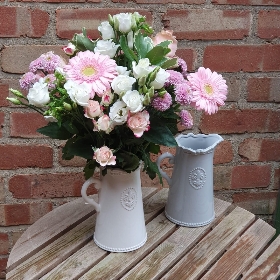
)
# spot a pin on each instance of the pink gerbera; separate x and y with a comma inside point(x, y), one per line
point(209, 90)
point(96, 69)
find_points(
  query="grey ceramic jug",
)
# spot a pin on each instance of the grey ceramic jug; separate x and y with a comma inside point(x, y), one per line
point(190, 199)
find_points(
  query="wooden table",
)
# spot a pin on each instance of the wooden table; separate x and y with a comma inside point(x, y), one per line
point(234, 246)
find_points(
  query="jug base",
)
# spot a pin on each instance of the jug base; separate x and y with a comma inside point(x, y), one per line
point(120, 250)
point(185, 224)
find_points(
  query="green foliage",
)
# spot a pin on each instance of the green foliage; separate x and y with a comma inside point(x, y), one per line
point(54, 131)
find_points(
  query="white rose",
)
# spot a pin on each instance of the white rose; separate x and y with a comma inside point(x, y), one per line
point(104, 123)
point(123, 22)
point(38, 95)
point(106, 47)
point(142, 68)
point(79, 93)
point(122, 70)
point(118, 113)
point(160, 79)
point(122, 83)
point(106, 30)
point(133, 100)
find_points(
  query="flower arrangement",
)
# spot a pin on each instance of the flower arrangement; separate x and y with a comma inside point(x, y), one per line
point(120, 97)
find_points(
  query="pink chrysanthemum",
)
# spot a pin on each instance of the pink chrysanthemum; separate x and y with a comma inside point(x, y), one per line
point(28, 80)
point(183, 66)
point(50, 80)
point(162, 103)
point(174, 78)
point(93, 68)
point(183, 93)
point(186, 119)
point(209, 90)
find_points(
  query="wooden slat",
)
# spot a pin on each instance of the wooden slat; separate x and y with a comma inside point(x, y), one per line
point(194, 263)
point(53, 254)
point(241, 253)
point(47, 229)
point(267, 266)
point(172, 249)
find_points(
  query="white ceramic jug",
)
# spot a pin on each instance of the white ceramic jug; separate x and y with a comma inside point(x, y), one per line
point(120, 223)
point(190, 199)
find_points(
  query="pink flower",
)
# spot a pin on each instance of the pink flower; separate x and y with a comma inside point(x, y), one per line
point(166, 35)
point(104, 123)
point(95, 69)
point(162, 103)
point(186, 119)
point(69, 49)
point(139, 123)
point(93, 109)
point(107, 98)
point(183, 66)
point(174, 78)
point(104, 156)
point(28, 80)
point(183, 93)
point(209, 90)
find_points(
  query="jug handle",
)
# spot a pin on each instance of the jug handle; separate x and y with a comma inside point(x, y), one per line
point(85, 186)
point(171, 160)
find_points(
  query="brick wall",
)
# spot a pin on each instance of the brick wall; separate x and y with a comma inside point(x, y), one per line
point(237, 38)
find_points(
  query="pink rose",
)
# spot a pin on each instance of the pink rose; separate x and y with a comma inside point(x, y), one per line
point(69, 49)
point(93, 109)
point(166, 35)
point(107, 98)
point(104, 156)
point(139, 123)
point(104, 123)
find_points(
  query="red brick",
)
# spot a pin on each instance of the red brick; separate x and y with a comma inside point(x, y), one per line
point(47, 185)
point(2, 119)
point(241, 121)
point(250, 176)
point(263, 89)
point(4, 243)
point(269, 24)
point(19, 156)
point(208, 24)
point(261, 203)
point(165, 1)
point(16, 59)
point(277, 179)
point(76, 161)
point(3, 265)
point(247, 2)
point(23, 214)
point(247, 58)
point(71, 21)
point(234, 88)
point(222, 177)
point(4, 92)
point(223, 153)
point(56, 1)
point(21, 126)
point(260, 149)
point(20, 21)
point(189, 56)
point(2, 190)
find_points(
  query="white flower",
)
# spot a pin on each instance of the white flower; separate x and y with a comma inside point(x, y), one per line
point(104, 156)
point(106, 47)
point(142, 68)
point(50, 118)
point(104, 123)
point(160, 79)
point(123, 70)
point(122, 83)
point(133, 100)
point(38, 95)
point(79, 93)
point(118, 113)
point(124, 22)
point(106, 30)
point(69, 49)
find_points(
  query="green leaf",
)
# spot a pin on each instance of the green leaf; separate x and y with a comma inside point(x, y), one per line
point(54, 131)
point(70, 127)
point(90, 168)
point(160, 134)
point(165, 44)
point(151, 168)
point(81, 147)
point(156, 55)
point(169, 63)
point(127, 51)
point(127, 161)
point(142, 45)
point(153, 148)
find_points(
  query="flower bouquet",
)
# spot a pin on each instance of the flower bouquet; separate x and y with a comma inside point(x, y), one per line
point(118, 98)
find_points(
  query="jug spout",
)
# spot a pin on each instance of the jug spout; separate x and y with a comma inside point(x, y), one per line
point(198, 144)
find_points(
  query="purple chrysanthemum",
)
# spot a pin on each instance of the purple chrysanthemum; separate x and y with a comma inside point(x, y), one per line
point(50, 80)
point(186, 119)
point(174, 78)
point(28, 80)
point(162, 103)
point(47, 62)
point(183, 66)
point(183, 93)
